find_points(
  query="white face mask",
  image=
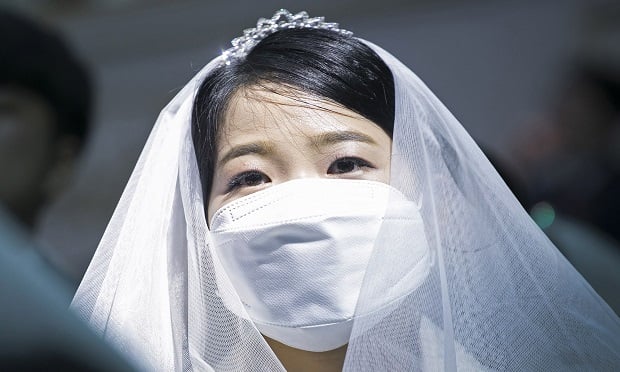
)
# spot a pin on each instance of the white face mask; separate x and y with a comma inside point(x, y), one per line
point(297, 253)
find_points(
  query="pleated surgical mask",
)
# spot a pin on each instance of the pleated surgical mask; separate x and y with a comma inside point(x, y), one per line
point(297, 253)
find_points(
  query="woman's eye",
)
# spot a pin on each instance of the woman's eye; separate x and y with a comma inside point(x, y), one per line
point(248, 179)
point(348, 165)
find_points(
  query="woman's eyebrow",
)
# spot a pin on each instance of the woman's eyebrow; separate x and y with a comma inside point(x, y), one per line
point(260, 148)
point(330, 138)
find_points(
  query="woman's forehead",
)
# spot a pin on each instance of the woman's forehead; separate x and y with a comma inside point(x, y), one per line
point(266, 112)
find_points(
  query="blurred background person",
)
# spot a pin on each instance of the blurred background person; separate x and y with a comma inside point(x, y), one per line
point(569, 157)
point(45, 104)
point(45, 107)
point(572, 156)
point(37, 331)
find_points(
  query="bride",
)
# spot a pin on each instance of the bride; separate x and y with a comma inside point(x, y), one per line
point(307, 203)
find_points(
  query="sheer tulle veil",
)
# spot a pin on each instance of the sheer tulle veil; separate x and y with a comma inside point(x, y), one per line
point(496, 294)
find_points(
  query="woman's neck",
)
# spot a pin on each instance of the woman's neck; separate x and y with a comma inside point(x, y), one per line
point(296, 360)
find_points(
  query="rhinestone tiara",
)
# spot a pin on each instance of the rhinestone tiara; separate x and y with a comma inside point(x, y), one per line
point(282, 19)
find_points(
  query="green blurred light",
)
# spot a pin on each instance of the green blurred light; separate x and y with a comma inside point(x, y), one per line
point(543, 214)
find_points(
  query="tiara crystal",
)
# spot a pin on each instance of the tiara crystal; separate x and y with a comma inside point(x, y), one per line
point(282, 19)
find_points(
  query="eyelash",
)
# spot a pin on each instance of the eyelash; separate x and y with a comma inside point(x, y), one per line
point(238, 180)
point(358, 162)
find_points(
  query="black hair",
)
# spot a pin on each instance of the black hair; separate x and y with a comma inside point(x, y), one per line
point(37, 59)
point(322, 63)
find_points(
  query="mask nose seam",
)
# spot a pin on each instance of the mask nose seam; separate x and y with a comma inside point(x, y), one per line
point(229, 209)
point(238, 217)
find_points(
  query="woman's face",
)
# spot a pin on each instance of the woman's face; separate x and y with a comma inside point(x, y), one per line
point(268, 139)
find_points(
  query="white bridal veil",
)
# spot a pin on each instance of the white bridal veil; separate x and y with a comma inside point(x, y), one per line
point(497, 295)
